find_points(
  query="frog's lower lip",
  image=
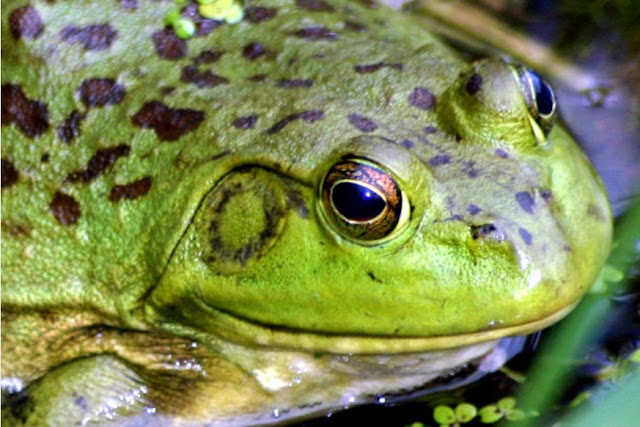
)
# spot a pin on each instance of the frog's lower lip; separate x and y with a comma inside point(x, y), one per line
point(245, 331)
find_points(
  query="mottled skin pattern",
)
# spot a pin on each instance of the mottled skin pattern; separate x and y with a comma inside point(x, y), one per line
point(161, 211)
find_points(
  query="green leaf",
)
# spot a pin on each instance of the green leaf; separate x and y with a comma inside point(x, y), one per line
point(490, 414)
point(443, 414)
point(506, 403)
point(184, 28)
point(465, 412)
point(172, 18)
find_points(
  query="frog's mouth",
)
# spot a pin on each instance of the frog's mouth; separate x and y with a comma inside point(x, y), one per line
point(248, 332)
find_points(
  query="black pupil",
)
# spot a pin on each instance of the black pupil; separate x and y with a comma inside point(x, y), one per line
point(544, 93)
point(356, 202)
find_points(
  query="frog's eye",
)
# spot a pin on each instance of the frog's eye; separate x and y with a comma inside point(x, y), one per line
point(539, 97)
point(363, 202)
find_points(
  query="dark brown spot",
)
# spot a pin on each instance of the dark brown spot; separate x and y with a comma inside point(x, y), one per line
point(362, 123)
point(282, 123)
point(168, 123)
point(254, 51)
point(81, 402)
point(422, 98)
point(130, 191)
point(430, 130)
point(526, 236)
point(354, 26)
point(247, 122)
point(203, 25)
point(256, 15)
point(257, 78)
point(64, 208)
point(31, 117)
point(129, 4)
point(292, 83)
point(501, 153)
point(207, 57)
point(91, 37)
point(407, 143)
point(9, 173)
point(526, 201)
point(473, 209)
point(370, 68)
point(190, 74)
point(25, 22)
point(16, 230)
point(45, 157)
point(315, 33)
point(169, 45)
point(100, 161)
point(470, 169)
point(314, 5)
point(440, 159)
point(100, 92)
point(70, 128)
point(474, 84)
point(311, 116)
point(308, 116)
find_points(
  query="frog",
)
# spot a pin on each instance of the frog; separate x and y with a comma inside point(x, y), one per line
point(317, 206)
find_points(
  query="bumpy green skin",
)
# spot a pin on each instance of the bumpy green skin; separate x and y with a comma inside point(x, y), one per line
point(201, 246)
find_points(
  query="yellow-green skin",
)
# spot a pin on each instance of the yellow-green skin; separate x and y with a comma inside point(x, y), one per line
point(212, 286)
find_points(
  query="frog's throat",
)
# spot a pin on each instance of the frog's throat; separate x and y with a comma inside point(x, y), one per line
point(243, 331)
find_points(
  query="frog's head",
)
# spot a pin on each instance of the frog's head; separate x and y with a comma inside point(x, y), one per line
point(493, 224)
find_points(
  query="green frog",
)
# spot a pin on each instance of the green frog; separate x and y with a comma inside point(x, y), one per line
point(318, 206)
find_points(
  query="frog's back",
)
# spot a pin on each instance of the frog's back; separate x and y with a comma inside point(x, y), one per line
point(105, 111)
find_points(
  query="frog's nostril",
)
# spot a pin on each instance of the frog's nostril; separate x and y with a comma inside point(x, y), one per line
point(487, 232)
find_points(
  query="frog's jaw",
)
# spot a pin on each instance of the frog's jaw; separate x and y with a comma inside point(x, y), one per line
point(242, 331)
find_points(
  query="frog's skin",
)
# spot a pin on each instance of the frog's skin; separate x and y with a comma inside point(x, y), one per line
point(167, 250)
